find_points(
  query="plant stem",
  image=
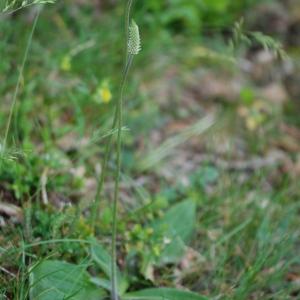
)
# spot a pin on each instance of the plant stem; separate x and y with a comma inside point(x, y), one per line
point(117, 122)
point(127, 21)
point(117, 182)
point(96, 205)
point(119, 118)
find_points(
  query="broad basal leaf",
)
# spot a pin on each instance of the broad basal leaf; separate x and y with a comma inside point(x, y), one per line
point(57, 280)
point(163, 294)
point(178, 225)
point(103, 259)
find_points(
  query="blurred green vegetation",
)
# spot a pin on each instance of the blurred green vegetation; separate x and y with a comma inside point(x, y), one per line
point(193, 16)
point(211, 205)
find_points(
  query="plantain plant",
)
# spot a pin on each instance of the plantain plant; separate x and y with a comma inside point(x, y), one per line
point(133, 48)
point(50, 285)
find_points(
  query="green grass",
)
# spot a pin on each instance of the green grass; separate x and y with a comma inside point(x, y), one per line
point(244, 238)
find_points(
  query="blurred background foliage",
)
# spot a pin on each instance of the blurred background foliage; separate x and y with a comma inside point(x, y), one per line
point(192, 16)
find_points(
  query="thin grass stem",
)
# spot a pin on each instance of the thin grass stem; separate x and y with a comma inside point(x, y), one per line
point(17, 89)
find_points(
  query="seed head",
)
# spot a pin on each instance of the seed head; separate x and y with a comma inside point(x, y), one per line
point(134, 40)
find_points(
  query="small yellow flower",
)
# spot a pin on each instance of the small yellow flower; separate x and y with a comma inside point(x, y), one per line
point(66, 64)
point(103, 93)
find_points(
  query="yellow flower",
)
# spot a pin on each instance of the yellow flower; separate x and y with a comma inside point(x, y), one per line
point(66, 64)
point(103, 93)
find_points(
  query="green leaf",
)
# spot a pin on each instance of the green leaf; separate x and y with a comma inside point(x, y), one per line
point(103, 259)
point(178, 225)
point(60, 280)
point(205, 176)
point(103, 283)
point(163, 294)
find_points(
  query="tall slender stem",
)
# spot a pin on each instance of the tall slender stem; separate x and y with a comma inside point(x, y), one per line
point(96, 205)
point(117, 183)
point(119, 114)
point(127, 21)
point(117, 124)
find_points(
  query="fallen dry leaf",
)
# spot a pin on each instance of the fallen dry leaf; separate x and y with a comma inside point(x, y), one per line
point(12, 211)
